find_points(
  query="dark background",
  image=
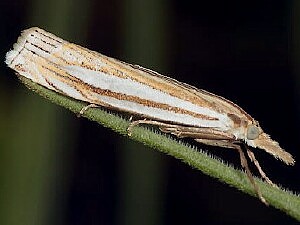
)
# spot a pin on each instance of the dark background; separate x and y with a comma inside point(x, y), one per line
point(56, 168)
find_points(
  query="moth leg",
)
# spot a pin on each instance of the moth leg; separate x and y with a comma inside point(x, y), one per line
point(203, 133)
point(151, 122)
point(205, 136)
point(256, 163)
point(84, 109)
point(227, 144)
point(217, 143)
point(244, 164)
point(211, 137)
point(243, 160)
point(183, 131)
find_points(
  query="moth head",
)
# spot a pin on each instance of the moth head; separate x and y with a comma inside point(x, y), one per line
point(257, 138)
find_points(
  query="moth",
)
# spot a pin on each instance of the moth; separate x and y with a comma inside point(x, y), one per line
point(173, 106)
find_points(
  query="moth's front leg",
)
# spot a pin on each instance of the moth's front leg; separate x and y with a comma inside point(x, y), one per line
point(243, 160)
point(208, 136)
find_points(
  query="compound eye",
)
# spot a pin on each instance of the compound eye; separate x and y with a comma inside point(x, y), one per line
point(252, 132)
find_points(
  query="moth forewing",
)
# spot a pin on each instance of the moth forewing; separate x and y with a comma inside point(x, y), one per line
point(175, 107)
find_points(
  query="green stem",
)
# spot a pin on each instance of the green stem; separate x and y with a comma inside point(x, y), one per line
point(276, 197)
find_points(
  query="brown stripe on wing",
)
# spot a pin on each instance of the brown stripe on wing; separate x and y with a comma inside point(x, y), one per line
point(85, 88)
point(141, 75)
point(46, 34)
point(146, 76)
point(165, 84)
point(149, 103)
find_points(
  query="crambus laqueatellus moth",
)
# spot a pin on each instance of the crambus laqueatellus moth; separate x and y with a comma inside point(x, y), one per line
point(174, 107)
